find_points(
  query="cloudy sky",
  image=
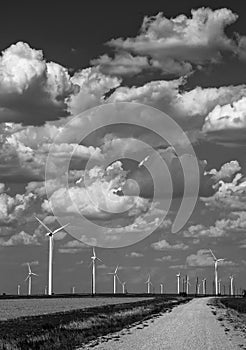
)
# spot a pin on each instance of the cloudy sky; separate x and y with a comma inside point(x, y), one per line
point(185, 63)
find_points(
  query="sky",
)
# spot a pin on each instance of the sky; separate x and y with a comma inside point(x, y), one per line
point(125, 121)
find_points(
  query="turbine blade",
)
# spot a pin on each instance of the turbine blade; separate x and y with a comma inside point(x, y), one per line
point(43, 224)
point(60, 228)
point(213, 254)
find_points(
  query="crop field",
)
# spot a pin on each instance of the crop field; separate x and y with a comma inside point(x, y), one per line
point(14, 308)
point(69, 330)
point(238, 304)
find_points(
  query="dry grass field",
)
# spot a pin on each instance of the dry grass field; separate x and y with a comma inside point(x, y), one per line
point(13, 308)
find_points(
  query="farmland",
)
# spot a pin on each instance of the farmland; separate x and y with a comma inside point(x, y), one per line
point(13, 308)
point(70, 329)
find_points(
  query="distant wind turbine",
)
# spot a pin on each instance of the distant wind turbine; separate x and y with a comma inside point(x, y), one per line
point(215, 271)
point(123, 284)
point(143, 161)
point(187, 285)
point(231, 284)
point(204, 286)
point(29, 278)
point(161, 288)
point(50, 234)
point(178, 283)
point(198, 288)
point(18, 289)
point(115, 277)
point(93, 263)
point(149, 284)
point(219, 286)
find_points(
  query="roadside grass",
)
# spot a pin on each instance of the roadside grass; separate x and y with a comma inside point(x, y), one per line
point(71, 329)
point(238, 304)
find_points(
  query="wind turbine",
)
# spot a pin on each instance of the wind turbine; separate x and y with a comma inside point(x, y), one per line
point(178, 283)
point(198, 288)
point(115, 277)
point(149, 283)
point(93, 263)
point(123, 287)
point(219, 286)
point(50, 234)
point(204, 286)
point(231, 283)
point(187, 285)
point(18, 289)
point(216, 271)
point(161, 288)
point(29, 278)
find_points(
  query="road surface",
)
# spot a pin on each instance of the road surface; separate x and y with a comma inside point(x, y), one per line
point(190, 326)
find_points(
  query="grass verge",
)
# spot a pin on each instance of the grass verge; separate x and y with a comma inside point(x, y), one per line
point(68, 330)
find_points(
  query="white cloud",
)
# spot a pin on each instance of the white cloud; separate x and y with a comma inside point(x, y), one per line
point(32, 90)
point(179, 43)
point(122, 64)
point(164, 245)
point(21, 238)
point(226, 124)
point(135, 255)
point(164, 258)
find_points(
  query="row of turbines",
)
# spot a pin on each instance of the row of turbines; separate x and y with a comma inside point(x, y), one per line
point(185, 280)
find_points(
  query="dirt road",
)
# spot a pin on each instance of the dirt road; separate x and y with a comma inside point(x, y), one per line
point(190, 326)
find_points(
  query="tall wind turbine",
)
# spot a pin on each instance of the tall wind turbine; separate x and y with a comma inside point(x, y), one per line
point(149, 284)
point(204, 286)
point(231, 284)
point(178, 283)
point(115, 277)
point(216, 271)
point(50, 234)
point(93, 263)
point(161, 288)
point(29, 278)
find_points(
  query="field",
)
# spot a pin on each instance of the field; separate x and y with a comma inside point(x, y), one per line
point(13, 308)
point(74, 328)
point(238, 304)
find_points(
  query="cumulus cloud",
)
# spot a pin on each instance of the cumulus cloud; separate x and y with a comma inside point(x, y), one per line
point(93, 87)
point(31, 89)
point(181, 43)
point(164, 245)
point(226, 171)
point(226, 124)
point(122, 64)
point(97, 200)
point(12, 209)
point(21, 238)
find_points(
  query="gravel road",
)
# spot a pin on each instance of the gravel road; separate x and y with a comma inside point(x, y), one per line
point(190, 326)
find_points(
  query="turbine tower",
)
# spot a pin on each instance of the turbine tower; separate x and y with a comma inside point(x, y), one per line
point(93, 263)
point(187, 285)
point(231, 284)
point(204, 286)
point(219, 286)
point(115, 277)
point(50, 234)
point(161, 288)
point(198, 288)
point(149, 284)
point(178, 283)
point(29, 278)
point(216, 271)
point(18, 289)
point(123, 287)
